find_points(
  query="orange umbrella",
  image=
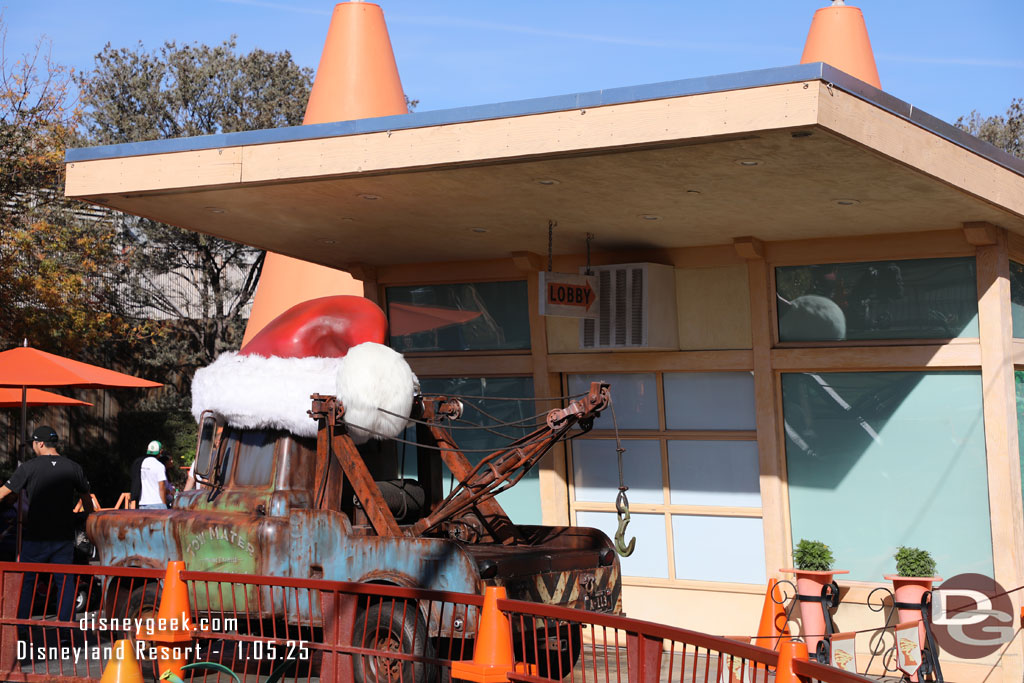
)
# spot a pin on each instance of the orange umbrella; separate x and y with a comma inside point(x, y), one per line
point(406, 319)
point(26, 367)
point(11, 398)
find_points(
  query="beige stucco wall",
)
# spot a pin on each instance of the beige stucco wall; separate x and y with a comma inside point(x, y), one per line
point(714, 308)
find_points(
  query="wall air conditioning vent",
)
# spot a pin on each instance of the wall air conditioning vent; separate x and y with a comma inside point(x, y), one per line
point(636, 308)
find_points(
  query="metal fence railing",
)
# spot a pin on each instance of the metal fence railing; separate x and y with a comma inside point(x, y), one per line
point(65, 622)
point(48, 616)
point(586, 647)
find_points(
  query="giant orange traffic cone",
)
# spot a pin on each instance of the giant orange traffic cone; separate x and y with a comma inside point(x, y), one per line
point(839, 37)
point(123, 666)
point(357, 79)
point(773, 619)
point(174, 613)
point(492, 655)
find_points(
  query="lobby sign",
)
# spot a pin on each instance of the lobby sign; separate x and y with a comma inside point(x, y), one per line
point(568, 295)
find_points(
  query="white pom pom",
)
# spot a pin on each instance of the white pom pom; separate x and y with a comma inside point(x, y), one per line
point(253, 392)
point(374, 376)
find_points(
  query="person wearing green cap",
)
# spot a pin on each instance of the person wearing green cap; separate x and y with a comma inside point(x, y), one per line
point(153, 477)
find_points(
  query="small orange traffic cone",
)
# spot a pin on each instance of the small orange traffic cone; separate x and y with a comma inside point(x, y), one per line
point(176, 615)
point(773, 620)
point(123, 666)
point(790, 649)
point(838, 36)
point(492, 656)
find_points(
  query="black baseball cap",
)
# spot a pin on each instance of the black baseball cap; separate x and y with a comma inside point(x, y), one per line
point(46, 434)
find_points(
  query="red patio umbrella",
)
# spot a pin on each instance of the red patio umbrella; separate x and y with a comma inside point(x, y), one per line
point(11, 398)
point(25, 367)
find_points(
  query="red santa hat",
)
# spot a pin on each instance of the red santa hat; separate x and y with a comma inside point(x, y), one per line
point(332, 345)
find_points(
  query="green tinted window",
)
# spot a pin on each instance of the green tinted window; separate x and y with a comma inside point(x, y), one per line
point(876, 460)
point(921, 299)
point(479, 316)
point(488, 410)
point(1017, 298)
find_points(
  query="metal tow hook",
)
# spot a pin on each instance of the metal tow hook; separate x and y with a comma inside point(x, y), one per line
point(622, 512)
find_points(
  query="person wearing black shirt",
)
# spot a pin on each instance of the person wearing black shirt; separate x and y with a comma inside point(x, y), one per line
point(51, 482)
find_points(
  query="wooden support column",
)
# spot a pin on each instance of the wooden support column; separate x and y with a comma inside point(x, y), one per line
point(554, 487)
point(367, 274)
point(774, 506)
point(1006, 511)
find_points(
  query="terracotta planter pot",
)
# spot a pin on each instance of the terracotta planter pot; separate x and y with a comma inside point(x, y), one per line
point(812, 619)
point(910, 589)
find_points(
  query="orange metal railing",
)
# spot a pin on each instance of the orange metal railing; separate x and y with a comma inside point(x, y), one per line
point(262, 627)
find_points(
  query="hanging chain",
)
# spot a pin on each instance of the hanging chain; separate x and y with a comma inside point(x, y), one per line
point(590, 237)
point(551, 230)
point(621, 501)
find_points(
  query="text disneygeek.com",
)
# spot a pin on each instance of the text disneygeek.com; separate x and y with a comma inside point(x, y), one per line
point(150, 625)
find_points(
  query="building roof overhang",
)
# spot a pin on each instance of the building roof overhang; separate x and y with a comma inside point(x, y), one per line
point(667, 165)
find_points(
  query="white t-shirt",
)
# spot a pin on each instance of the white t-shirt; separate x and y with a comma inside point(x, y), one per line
point(153, 472)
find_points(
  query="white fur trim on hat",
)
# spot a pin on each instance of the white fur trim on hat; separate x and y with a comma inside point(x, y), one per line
point(263, 393)
point(374, 376)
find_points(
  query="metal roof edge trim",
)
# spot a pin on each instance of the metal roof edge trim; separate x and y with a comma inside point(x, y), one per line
point(482, 112)
point(918, 117)
point(541, 105)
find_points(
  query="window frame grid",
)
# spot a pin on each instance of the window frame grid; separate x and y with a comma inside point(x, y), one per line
point(666, 508)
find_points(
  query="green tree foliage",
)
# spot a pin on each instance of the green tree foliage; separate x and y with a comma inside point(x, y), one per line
point(1005, 132)
point(176, 91)
point(57, 263)
point(200, 286)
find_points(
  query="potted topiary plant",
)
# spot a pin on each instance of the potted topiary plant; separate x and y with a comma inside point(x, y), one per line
point(813, 571)
point(915, 574)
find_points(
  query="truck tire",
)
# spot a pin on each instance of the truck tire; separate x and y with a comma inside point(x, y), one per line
point(392, 626)
point(141, 603)
point(555, 662)
point(88, 594)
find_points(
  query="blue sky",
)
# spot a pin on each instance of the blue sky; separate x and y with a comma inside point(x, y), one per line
point(946, 58)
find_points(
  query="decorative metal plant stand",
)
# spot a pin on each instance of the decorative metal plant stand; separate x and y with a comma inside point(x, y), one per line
point(930, 669)
point(829, 600)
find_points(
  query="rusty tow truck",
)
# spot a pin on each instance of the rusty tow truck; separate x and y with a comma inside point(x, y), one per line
point(281, 505)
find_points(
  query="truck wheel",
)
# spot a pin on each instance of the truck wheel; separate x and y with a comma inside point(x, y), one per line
point(141, 603)
point(555, 651)
point(392, 626)
point(87, 597)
